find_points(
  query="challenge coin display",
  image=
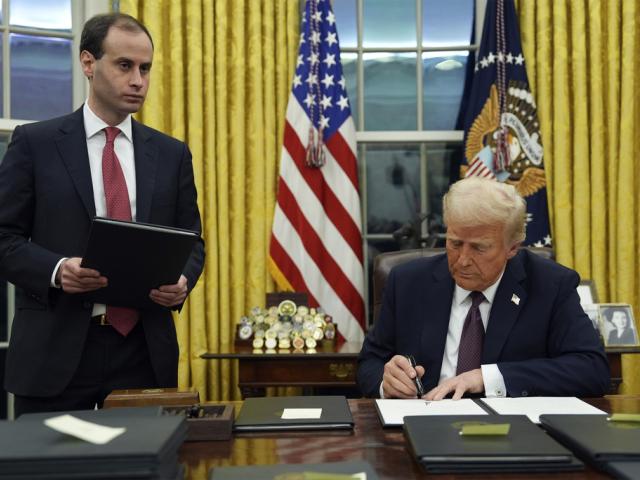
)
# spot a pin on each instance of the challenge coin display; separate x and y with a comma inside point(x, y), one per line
point(286, 326)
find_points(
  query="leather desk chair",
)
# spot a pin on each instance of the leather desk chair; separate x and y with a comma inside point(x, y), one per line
point(384, 262)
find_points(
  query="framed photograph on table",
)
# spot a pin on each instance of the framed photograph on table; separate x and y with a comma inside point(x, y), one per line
point(617, 325)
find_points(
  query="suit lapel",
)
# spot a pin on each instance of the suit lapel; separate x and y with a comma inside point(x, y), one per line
point(436, 309)
point(510, 298)
point(72, 147)
point(146, 158)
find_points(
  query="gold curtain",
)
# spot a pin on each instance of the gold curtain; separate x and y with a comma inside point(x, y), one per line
point(220, 81)
point(583, 66)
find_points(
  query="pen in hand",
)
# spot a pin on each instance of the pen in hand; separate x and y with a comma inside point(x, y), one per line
point(416, 380)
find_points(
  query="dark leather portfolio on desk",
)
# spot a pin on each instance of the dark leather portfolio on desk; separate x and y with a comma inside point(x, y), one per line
point(268, 472)
point(135, 258)
point(594, 438)
point(265, 413)
point(440, 448)
point(147, 449)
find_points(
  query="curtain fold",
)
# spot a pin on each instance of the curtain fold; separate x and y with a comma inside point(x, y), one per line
point(220, 81)
point(582, 56)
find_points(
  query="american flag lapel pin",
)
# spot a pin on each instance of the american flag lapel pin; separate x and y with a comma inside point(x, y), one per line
point(515, 299)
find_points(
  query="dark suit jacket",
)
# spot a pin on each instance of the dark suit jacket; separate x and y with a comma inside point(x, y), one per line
point(544, 345)
point(46, 207)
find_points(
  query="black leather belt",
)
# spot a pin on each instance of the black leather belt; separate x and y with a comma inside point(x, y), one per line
point(100, 320)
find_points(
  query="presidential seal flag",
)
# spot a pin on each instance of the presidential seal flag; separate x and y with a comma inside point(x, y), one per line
point(316, 240)
point(502, 131)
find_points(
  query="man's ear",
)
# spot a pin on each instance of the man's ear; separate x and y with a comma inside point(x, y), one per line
point(513, 250)
point(87, 62)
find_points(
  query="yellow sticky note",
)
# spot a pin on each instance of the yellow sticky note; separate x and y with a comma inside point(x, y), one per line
point(624, 417)
point(488, 429)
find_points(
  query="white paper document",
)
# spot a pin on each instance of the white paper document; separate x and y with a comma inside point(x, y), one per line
point(301, 413)
point(393, 411)
point(87, 431)
point(533, 407)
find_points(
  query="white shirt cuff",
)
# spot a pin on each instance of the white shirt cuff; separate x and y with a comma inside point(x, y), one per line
point(493, 381)
point(55, 272)
point(381, 390)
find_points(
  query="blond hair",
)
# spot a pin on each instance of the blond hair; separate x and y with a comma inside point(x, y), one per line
point(475, 201)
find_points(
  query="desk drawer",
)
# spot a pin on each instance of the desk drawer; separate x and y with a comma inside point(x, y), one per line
point(293, 372)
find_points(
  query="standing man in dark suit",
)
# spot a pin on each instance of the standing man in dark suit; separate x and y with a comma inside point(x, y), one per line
point(65, 352)
point(486, 318)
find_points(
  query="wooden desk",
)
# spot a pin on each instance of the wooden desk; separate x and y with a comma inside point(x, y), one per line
point(329, 366)
point(384, 449)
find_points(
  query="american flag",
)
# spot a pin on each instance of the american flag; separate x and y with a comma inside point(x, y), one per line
point(316, 242)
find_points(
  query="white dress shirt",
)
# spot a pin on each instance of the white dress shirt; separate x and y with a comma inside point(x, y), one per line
point(493, 380)
point(123, 145)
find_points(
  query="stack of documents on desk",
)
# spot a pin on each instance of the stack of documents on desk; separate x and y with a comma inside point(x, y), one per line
point(393, 411)
point(533, 407)
point(294, 413)
point(112, 446)
point(356, 470)
point(503, 443)
point(608, 443)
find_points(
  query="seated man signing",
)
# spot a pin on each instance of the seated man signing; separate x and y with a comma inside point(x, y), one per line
point(486, 318)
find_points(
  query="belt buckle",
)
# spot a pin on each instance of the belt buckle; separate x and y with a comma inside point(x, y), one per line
point(103, 319)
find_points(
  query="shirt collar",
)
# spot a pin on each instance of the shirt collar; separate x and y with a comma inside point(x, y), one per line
point(460, 294)
point(94, 124)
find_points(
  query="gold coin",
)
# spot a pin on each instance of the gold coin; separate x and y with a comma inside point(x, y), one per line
point(287, 307)
point(258, 342)
point(310, 342)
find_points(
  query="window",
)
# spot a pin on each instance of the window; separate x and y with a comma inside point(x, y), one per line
point(39, 78)
point(405, 64)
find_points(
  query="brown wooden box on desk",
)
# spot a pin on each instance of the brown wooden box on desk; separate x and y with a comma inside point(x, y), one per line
point(151, 396)
point(215, 424)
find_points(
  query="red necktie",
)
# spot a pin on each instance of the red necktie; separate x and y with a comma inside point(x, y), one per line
point(470, 349)
point(118, 207)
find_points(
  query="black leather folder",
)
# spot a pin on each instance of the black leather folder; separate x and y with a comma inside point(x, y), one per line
point(265, 413)
point(624, 470)
point(135, 258)
point(147, 449)
point(438, 446)
point(267, 472)
point(594, 438)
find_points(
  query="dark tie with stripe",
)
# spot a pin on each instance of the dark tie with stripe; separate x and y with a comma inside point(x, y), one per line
point(118, 207)
point(470, 349)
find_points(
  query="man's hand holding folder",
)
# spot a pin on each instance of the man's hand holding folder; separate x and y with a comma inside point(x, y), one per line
point(132, 264)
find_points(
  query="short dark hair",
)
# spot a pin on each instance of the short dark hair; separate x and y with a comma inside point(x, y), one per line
point(97, 28)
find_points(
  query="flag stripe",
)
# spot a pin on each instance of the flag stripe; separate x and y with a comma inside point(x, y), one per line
point(339, 178)
point(333, 208)
point(288, 268)
point(316, 250)
point(315, 213)
point(316, 284)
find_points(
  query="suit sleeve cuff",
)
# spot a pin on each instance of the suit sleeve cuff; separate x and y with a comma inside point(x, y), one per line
point(55, 272)
point(493, 381)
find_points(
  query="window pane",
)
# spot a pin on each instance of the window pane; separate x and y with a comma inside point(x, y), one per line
point(441, 158)
point(446, 23)
point(389, 24)
point(1, 80)
point(45, 14)
point(390, 91)
point(4, 324)
point(443, 84)
point(40, 77)
point(393, 186)
point(346, 23)
point(350, 72)
point(4, 142)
